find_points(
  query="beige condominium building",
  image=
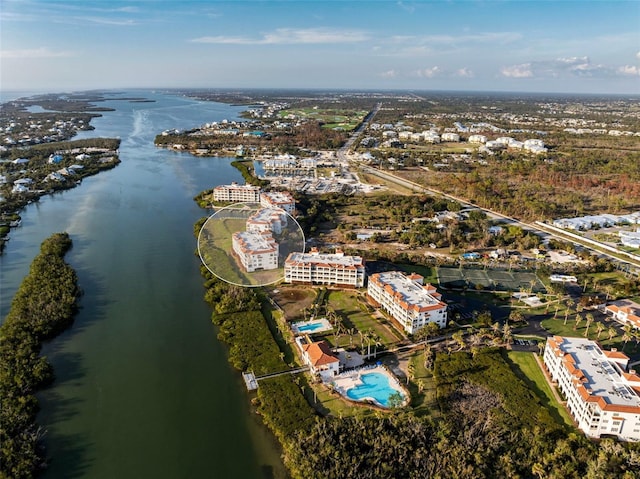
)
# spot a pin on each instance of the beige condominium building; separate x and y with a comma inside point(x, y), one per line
point(410, 302)
point(237, 193)
point(267, 219)
point(278, 199)
point(328, 269)
point(256, 251)
point(602, 396)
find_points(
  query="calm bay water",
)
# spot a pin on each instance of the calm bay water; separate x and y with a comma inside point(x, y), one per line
point(142, 389)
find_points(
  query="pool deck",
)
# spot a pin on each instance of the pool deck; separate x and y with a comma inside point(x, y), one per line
point(351, 379)
point(326, 326)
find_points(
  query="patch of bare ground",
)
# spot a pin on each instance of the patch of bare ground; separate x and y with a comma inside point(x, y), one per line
point(293, 300)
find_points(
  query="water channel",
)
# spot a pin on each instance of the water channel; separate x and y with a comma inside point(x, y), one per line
point(142, 388)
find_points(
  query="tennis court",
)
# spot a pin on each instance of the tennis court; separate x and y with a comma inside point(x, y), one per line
point(498, 280)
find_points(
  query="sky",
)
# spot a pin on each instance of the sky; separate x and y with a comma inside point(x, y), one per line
point(566, 46)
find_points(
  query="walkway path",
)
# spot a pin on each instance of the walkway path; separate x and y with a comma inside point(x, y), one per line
point(554, 390)
point(251, 380)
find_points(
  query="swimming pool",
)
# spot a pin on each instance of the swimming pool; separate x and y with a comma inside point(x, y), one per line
point(376, 386)
point(313, 326)
point(309, 327)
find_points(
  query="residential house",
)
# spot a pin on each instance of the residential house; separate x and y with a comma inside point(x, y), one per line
point(320, 359)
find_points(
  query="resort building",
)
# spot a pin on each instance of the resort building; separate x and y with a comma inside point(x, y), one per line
point(237, 193)
point(278, 199)
point(320, 359)
point(625, 312)
point(330, 269)
point(601, 396)
point(256, 251)
point(267, 219)
point(409, 302)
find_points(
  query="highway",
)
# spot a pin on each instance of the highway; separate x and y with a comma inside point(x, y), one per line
point(544, 234)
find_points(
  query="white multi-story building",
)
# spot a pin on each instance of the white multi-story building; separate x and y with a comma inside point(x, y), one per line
point(410, 302)
point(256, 251)
point(237, 193)
point(625, 312)
point(330, 269)
point(450, 137)
point(602, 397)
point(278, 199)
point(477, 139)
point(267, 219)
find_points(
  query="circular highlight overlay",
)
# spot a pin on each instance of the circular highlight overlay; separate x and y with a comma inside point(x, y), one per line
point(246, 244)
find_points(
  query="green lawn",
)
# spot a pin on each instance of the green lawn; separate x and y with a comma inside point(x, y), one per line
point(331, 403)
point(430, 274)
point(356, 315)
point(422, 387)
point(525, 366)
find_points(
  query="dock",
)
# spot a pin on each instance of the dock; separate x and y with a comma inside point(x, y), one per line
point(251, 380)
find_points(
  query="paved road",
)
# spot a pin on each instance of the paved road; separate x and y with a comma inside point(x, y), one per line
point(341, 154)
point(545, 235)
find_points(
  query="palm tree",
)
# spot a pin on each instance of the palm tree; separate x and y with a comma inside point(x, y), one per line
point(458, 338)
point(495, 327)
point(516, 316)
point(506, 333)
point(599, 329)
point(627, 335)
point(427, 356)
point(578, 321)
point(411, 370)
point(611, 332)
point(589, 320)
point(377, 342)
point(566, 315)
point(608, 289)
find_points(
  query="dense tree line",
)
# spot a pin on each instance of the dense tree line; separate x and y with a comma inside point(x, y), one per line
point(237, 312)
point(43, 306)
point(577, 182)
point(491, 426)
point(246, 169)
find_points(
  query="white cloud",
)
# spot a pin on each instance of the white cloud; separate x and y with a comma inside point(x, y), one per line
point(464, 73)
point(517, 71)
point(41, 52)
point(292, 36)
point(500, 38)
point(430, 72)
point(629, 70)
point(389, 74)
point(407, 8)
point(566, 67)
point(638, 55)
point(107, 21)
